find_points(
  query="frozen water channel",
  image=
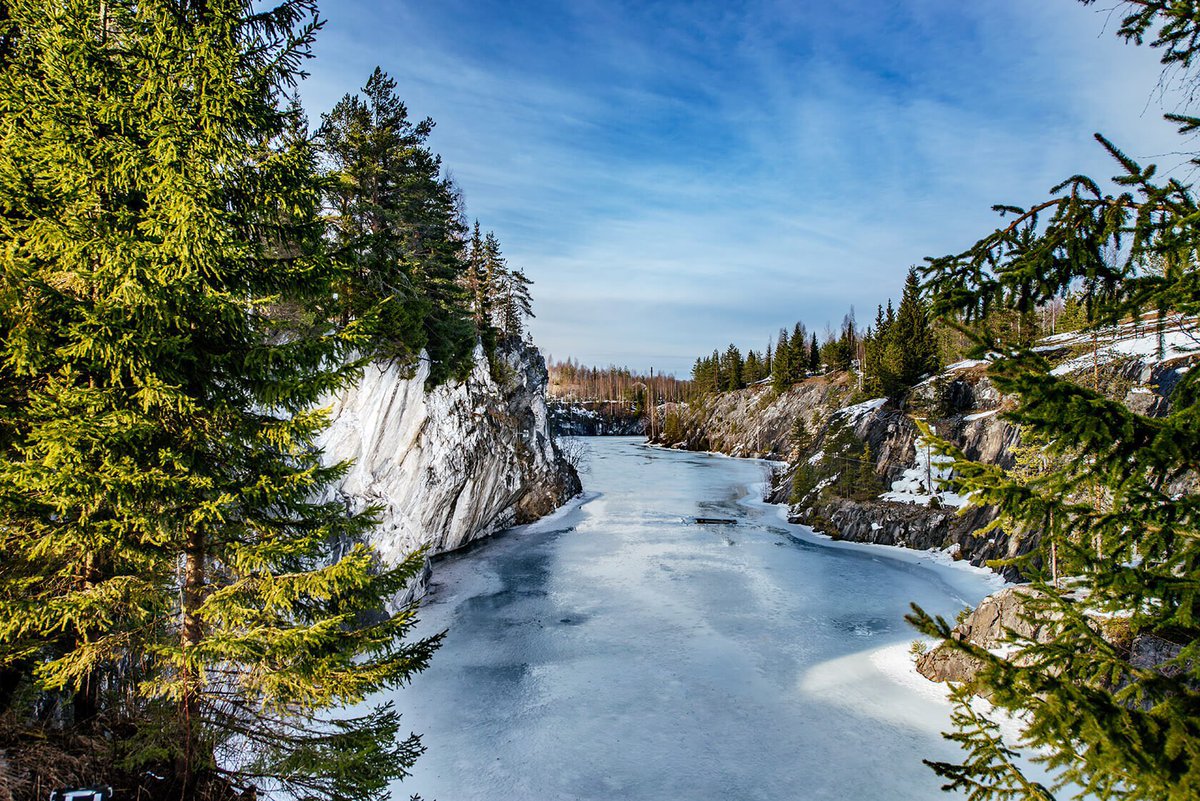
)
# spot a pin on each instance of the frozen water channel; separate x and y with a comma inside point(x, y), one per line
point(618, 651)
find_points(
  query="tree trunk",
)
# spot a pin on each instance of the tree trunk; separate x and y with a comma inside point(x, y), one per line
point(85, 702)
point(190, 761)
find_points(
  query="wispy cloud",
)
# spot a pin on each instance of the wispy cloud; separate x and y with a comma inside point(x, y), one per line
point(675, 175)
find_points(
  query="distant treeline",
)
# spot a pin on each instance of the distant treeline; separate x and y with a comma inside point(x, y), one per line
point(613, 386)
point(902, 345)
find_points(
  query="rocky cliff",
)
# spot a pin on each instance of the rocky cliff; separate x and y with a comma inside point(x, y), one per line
point(594, 419)
point(453, 464)
point(1004, 624)
point(858, 470)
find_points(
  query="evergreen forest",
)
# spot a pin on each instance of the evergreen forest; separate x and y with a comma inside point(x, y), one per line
point(190, 265)
point(193, 264)
point(905, 344)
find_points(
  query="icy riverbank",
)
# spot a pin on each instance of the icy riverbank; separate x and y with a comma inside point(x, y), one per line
point(614, 650)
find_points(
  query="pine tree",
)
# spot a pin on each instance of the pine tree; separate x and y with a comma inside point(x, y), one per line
point(781, 367)
point(396, 224)
point(164, 565)
point(911, 334)
point(1098, 716)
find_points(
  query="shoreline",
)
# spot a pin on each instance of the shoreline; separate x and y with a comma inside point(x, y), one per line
point(756, 497)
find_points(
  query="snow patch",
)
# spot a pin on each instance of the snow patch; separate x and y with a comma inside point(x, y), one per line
point(966, 364)
point(922, 482)
point(1141, 341)
point(853, 413)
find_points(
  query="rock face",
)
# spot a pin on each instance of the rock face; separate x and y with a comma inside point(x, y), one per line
point(800, 426)
point(962, 406)
point(1005, 612)
point(592, 419)
point(453, 464)
point(988, 626)
point(897, 500)
point(754, 422)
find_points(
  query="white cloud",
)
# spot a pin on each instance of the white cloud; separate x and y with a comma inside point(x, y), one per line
point(676, 176)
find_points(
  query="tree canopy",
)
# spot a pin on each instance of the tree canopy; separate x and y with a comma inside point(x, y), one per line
point(1117, 496)
point(186, 275)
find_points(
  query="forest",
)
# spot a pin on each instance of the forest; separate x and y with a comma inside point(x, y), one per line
point(903, 345)
point(190, 265)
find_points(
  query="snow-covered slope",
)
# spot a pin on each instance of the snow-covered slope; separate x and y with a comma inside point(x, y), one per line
point(452, 464)
point(1142, 341)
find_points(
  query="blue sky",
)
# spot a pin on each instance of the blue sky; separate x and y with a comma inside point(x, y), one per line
point(675, 176)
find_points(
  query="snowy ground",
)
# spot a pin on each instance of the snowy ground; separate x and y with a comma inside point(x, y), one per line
point(1139, 338)
point(923, 482)
point(618, 650)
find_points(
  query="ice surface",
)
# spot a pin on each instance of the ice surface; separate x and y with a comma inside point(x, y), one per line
point(617, 651)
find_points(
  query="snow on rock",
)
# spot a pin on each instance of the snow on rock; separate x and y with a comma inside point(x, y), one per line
point(966, 365)
point(1138, 339)
point(447, 465)
point(922, 482)
point(853, 413)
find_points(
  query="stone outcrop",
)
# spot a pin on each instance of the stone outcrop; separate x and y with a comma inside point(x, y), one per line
point(1004, 615)
point(962, 407)
point(452, 464)
point(805, 427)
point(754, 422)
point(593, 419)
point(987, 626)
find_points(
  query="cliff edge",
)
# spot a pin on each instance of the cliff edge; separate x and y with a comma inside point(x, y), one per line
point(452, 464)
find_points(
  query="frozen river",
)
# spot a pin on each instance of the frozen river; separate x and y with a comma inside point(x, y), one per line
point(618, 651)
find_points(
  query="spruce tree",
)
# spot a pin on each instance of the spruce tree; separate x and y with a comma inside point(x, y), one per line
point(1100, 714)
point(799, 368)
point(814, 354)
point(781, 366)
point(515, 304)
point(397, 229)
point(733, 368)
point(874, 344)
point(915, 349)
point(476, 283)
point(751, 370)
point(164, 564)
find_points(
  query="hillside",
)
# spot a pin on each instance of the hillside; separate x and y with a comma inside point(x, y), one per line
point(856, 469)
